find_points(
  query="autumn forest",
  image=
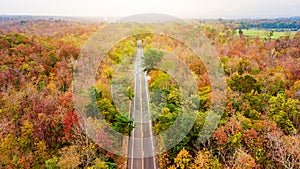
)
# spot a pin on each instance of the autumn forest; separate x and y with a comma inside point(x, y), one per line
point(259, 126)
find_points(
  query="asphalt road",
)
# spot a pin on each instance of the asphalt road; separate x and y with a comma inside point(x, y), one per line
point(141, 143)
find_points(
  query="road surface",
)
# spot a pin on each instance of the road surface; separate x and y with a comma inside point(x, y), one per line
point(141, 143)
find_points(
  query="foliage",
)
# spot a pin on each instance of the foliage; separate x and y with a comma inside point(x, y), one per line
point(51, 163)
point(285, 112)
point(70, 158)
point(151, 58)
point(243, 160)
point(245, 83)
point(39, 127)
point(183, 159)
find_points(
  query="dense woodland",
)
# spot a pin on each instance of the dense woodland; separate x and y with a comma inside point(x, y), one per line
point(279, 24)
point(39, 126)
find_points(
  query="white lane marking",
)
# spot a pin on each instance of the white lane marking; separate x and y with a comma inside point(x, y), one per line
point(133, 116)
point(138, 68)
point(150, 122)
point(141, 104)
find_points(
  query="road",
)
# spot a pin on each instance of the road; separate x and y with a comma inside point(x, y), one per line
point(141, 143)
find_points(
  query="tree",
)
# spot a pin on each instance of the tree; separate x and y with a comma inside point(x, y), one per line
point(151, 58)
point(285, 150)
point(241, 33)
point(123, 124)
point(99, 164)
point(245, 83)
point(243, 160)
point(285, 112)
point(70, 158)
point(51, 163)
point(205, 159)
point(183, 159)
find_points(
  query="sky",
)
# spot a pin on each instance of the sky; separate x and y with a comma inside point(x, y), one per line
point(203, 9)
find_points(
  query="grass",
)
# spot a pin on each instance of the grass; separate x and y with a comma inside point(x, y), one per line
point(262, 33)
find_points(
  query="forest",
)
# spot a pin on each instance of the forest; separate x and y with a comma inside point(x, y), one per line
point(39, 126)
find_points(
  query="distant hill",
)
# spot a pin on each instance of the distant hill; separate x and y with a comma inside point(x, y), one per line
point(6, 18)
point(150, 18)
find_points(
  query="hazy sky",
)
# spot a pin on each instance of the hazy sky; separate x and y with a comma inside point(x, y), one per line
point(179, 8)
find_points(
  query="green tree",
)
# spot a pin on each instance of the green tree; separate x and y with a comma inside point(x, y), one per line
point(243, 83)
point(123, 124)
point(285, 112)
point(151, 58)
point(51, 163)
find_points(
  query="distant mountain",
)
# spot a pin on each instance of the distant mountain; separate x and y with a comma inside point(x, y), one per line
point(150, 18)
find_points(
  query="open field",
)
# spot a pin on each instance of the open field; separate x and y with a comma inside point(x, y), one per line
point(253, 33)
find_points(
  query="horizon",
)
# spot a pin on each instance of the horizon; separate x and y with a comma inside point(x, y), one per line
point(120, 17)
point(188, 9)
